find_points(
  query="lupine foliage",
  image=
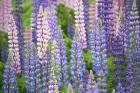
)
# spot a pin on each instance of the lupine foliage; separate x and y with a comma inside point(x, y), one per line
point(92, 48)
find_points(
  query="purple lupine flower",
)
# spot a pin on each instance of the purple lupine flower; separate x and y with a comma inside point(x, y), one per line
point(32, 69)
point(98, 46)
point(80, 22)
point(134, 42)
point(77, 64)
point(120, 88)
point(91, 86)
point(130, 78)
point(13, 43)
point(86, 19)
point(4, 51)
point(9, 79)
point(70, 29)
point(35, 9)
point(101, 80)
point(61, 60)
point(84, 81)
point(104, 11)
point(43, 31)
point(52, 19)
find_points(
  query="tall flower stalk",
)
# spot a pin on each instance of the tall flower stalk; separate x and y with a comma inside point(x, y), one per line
point(35, 10)
point(32, 69)
point(134, 42)
point(77, 64)
point(9, 79)
point(80, 22)
point(43, 31)
point(98, 46)
point(70, 29)
point(13, 43)
point(61, 60)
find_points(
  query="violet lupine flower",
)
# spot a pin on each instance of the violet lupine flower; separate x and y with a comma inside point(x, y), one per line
point(120, 88)
point(101, 80)
point(35, 9)
point(80, 22)
point(70, 29)
point(43, 32)
point(13, 43)
point(61, 60)
point(4, 51)
point(134, 42)
point(130, 78)
point(32, 69)
point(9, 79)
point(98, 46)
point(52, 19)
point(104, 11)
point(86, 19)
point(84, 81)
point(70, 89)
point(77, 64)
point(91, 86)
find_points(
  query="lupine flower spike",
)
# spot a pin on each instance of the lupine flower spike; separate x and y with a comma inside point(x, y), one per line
point(13, 43)
point(9, 79)
point(80, 23)
point(43, 31)
point(61, 60)
point(77, 64)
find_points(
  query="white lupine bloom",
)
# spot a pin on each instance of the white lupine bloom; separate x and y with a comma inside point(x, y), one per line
point(43, 32)
point(13, 42)
point(80, 26)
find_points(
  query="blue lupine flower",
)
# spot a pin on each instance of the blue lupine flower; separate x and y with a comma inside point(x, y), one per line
point(86, 18)
point(32, 69)
point(98, 46)
point(91, 86)
point(70, 29)
point(120, 88)
point(134, 42)
point(130, 78)
point(35, 10)
point(61, 60)
point(101, 80)
point(77, 64)
point(9, 79)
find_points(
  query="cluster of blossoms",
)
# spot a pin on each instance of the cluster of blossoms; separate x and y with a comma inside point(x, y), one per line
point(99, 27)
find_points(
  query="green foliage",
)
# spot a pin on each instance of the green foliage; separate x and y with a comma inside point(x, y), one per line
point(21, 84)
point(110, 81)
point(63, 15)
